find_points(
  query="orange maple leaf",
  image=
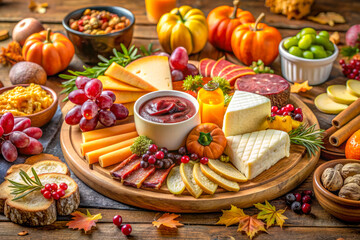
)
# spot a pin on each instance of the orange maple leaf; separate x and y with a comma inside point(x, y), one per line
point(250, 225)
point(231, 217)
point(300, 87)
point(167, 220)
point(82, 221)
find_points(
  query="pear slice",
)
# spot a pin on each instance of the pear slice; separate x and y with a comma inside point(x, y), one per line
point(186, 171)
point(326, 105)
point(226, 170)
point(216, 178)
point(353, 87)
point(201, 180)
point(174, 182)
point(339, 94)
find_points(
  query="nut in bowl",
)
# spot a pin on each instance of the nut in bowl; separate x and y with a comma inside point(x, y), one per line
point(329, 175)
point(38, 111)
point(95, 39)
point(166, 117)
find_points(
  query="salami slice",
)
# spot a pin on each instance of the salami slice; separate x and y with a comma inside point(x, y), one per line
point(202, 66)
point(218, 66)
point(208, 68)
point(272, 86)
point(124, 169)
point(136, 178)
point(157, 178)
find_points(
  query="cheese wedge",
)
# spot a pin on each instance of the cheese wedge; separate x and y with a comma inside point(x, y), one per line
point(110, 83)
point(216, 178)
point(247, 112)
point(127, 97)
point(253, 153)
point(186, 172)
point(201, 180)
point(130, 107)
point(154, 70)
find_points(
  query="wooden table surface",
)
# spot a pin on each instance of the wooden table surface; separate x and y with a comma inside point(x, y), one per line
point(318, 225)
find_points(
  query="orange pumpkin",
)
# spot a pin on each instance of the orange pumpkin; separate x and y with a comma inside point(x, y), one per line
point(53, 51)
point(254, 41)
point(206, 140)
point(223, 20)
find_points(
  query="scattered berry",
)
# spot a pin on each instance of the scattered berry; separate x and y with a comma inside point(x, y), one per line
point(153, 148)
point(204, 160)
point(308, 192)
point(126, 229)
point(42, 191)
point(298, 111)
point(297, 197)
point(55, 195)
point(159, 155)
point(164, 150)
point(306, 199)
point(145, 157)
point(194, 156)
point(47, 194)
point(298, 117)
point(48, 187)
point(185, 159)
point(182, 151)
point(61, 192)
point(152, 159)
point(306, 208)
point(290, 107)
point(63, 186)
point(296, 207)
point(290, 198)
point(117, 220)
point(274, 109)
point(54, 186)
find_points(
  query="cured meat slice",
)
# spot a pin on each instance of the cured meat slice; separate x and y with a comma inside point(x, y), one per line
point(218, 66)
point(157, 178)
point(233, 75)
point(125, 168)
point(203, 64)
point(272, 86)
point(136, 178)
point(209, 68)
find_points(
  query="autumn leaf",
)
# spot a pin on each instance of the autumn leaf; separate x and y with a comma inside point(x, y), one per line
point(250, 225)
point(167, 220)
point(328, 18)
point(300, 87)
point(82, 221)
point(269, 213)
point(38, 7)
point(231, 217)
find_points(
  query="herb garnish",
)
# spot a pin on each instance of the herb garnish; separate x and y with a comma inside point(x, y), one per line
point(30, 185)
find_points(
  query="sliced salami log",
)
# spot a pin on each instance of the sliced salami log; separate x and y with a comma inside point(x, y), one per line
point(136, 178)
point(157, 178)
point(124, 169)
point(218, 66)
point(272, 86)
point(209, 68)
point(235, 74)
point(203, 64)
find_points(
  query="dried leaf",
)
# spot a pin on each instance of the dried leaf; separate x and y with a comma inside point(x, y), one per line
point(82, 221)
point(231, 217)
point(11, 54)
point(167, 220)
point(300, 87)
point(328, 18)
point(38, 7)
point(335, 38)
point(269, 213)
point(250, 225)
point(23, 233)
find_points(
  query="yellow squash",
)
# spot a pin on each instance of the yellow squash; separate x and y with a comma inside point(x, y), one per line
point(184, 26)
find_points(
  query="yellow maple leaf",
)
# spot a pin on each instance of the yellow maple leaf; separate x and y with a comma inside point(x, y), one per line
point(82, 221)
point(269, 213)
point(231, 217)
point(328, 18)
point(250, 225)
point(300, 87)
point(167, 220)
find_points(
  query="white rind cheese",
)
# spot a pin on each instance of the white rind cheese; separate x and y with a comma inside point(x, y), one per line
point(247, 112)
point(253, 153)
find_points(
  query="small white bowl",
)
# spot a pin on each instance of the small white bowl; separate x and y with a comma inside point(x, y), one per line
point(169, 135)
point(316, 71)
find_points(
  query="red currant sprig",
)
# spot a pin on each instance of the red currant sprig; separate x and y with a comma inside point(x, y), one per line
point(54, 191)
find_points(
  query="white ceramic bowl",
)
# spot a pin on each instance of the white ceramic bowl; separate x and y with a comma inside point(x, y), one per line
point(169, 135)
point(316, 71)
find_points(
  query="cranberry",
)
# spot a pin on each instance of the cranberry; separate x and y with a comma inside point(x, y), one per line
point(278, 112)
point(357, 77)
point(117, 220)
point(285, 114)
point(126, 229)
point(194, 156)
point(308, 192)
point(306, 208)
point(283, 109)
point(298, 117)
point(182, 151)
point(144, 164)
point(185, 159)
point(298, 197)
point(273, 114)
point(274, 109)
point(204, 160)
point(47, 194)
point(54, 186)
point(306, 199)
point(298, 111)
point(145, 157)
point(43, 190)
point(164, 150)
point(159, 155)
point(342, 61)
point(152, 159)
point(61, 192)
point(290, 107)
point(153, 148)
point(48, 187)
point(352, 75)
point(55, 195)
point(63, 186)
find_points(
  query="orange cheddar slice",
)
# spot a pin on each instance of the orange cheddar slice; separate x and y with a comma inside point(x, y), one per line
point(107, 132)
point(127, 97)
point(110, 83)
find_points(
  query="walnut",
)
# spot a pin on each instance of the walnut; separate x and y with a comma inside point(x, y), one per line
point(338, 167)
point(353, 179)
point(332, 179)
point(350, 191)
point(350, 169)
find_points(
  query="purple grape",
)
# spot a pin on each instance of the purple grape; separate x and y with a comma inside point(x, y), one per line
point(110, 94)
point(73, 116)
point(107, 118)
point(77, 96)
point(104, 101)
point(9, 151)
point(89, 109)
point(177, 75)
point(88, 125)
point(93, 88)
point(81, 81)
point(120, 111)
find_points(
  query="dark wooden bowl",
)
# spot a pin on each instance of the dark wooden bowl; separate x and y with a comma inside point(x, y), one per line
point(41, 118)
point(344, 209)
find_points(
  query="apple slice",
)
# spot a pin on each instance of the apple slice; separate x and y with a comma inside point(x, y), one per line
point(201, 180)
point(353, 87)
point(327, 105)
point(339, 94)
point(174, 182)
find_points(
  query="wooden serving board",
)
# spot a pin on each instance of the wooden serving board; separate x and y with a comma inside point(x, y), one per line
point(278, 180)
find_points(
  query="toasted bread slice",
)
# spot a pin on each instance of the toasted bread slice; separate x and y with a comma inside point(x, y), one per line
point(16, 167)
point(226, 170)
point(4, 186)
point(201, 180)
point(35, 210)
point(49, 166)
point(41, 157)
point(186, 172)
point(223, 182)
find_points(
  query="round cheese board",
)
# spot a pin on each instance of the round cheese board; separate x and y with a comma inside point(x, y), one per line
point(272, 183)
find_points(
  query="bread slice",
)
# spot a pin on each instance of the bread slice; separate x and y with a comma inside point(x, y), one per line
point(35, 210)
point(49, 166)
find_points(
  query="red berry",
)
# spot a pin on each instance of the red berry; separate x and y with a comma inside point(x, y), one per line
point(55, 195)
point(54, 186)
point(63, 186)
point(298, 197)
point(307, 192)
point(204, 160)
point(278, 112)
point(48, 187)
point(185, 159)
point(42, 191)
point(290, 107)
point(61, 192)
point(152, 159)
point(117, 220)
point(153, 148)
point(306, 208)
point(298, 117)
point(126, 229)
point(342, 61)
point(159, 155)
point(283, 109)
point(273, 114)
point(298, 110)
point(47, 194)
point(194, 156)
point(306, 199)
point(285, 114)
point(274, 109)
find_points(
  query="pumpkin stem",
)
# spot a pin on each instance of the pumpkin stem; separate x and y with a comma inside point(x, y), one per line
point(48, 36)
point(258, 20)
point(181, 17)
point(236, 6)
point(205, 139)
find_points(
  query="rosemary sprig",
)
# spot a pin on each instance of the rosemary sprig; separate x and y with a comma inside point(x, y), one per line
point(30, 185)
point(149, 51)
point(309, 137)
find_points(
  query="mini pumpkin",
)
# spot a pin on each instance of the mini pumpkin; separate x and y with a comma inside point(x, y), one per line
point(206, 140)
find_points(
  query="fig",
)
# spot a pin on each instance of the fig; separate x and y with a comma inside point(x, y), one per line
point(25, 28)
point(353, 35)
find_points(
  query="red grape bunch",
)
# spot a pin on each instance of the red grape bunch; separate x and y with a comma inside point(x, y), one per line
point(180, 68)
point(17, 135)
point(93, 105)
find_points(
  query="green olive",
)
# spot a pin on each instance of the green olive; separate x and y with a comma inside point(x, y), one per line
point(318, 51)
point(307, 31)
point(329, 46)
point(296, 51)
point(324, 34)
point(298, 36)
point(290, 42)
point(305, 41)
point(308, 54)
point(320, 40)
